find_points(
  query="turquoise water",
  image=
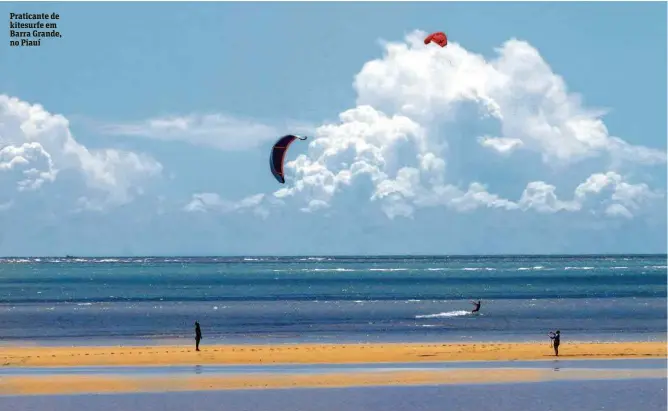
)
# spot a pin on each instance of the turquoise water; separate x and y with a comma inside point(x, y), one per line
point(323, 299)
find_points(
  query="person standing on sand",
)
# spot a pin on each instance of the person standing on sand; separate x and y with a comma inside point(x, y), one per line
point(198, 335)
point(555, 337)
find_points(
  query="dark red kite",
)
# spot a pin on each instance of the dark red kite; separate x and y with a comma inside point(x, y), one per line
point(278, 155)
point(439, 38)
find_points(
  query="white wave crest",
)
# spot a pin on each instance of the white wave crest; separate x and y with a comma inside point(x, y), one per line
point(458, 313)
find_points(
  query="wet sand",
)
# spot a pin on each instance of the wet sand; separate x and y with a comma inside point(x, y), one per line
point(48, 385)
point(12, 356)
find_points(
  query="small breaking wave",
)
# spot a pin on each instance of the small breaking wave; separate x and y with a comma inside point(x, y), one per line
point(388, 269)
point(458, 313)
point(534, 268)
point(317, 270)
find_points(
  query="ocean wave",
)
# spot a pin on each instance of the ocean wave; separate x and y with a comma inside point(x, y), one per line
point(459, 313)
point(338, 269)
point(15, 260)
point(43, 260)
point(578, 268)
point(534, 268)
point(314, 270)
point(388, 269)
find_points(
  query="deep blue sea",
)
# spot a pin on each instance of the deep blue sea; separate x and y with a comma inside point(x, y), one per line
point(332, 299)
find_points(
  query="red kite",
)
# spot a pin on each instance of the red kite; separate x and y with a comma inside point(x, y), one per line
point(439, 38)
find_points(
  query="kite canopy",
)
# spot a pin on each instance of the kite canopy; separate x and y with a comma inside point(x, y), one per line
point(278, 155)
point(438, 37)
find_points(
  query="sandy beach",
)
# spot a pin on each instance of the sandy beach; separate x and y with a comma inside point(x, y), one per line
point(35, 356)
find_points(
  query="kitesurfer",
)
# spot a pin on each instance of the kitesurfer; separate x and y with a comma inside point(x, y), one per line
point(198, 335)
point(476, 304)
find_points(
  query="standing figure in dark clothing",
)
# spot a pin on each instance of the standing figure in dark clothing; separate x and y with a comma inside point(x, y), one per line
point(556, 340)
point(477, 306)
point(198, 336)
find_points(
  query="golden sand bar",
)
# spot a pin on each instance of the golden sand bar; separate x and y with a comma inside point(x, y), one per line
point(11, 356)
point(45, 385)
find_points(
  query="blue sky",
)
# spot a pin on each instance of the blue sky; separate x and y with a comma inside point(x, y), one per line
point(146, 129)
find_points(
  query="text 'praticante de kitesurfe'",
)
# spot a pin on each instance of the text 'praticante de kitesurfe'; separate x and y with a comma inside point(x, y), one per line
point(31, 33)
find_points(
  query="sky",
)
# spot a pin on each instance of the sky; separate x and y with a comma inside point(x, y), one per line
point(146, 129)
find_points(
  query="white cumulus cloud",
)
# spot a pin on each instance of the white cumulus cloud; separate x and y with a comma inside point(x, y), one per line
point(501, 144)
point(517, 87)
point(31, 162)
point(624, 196)
point(398, 141)
point(36, 146)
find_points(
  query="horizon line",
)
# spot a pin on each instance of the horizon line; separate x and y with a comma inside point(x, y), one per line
point(68, 256)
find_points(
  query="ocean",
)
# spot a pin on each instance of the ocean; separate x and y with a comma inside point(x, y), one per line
point(141, 300)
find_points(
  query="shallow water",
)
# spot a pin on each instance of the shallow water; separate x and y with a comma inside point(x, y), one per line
point(621, 364)
point(637, 395)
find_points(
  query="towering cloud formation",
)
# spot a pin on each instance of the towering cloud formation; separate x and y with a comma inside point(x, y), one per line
point(419, 108)
point(37, 146)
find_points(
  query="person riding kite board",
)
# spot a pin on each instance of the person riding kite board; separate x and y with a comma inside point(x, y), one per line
point(477, 306)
